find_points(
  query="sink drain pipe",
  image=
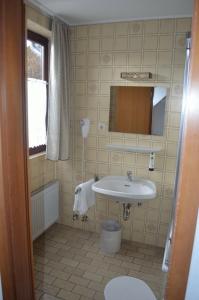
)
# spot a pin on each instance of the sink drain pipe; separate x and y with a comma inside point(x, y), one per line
point(126, 211)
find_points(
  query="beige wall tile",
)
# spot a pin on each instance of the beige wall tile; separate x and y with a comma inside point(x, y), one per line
point(93, 59)
point(149, 58)
point(136, 27)
point(117, 73)
point(106, 73)
point(107, 44)
point(92, 101)
point(138, 225)
point(94, 45)
point(41, 171)
point(164, 73)
point(105, 88)
point(176, 104)
point(150, 42)
point(107, 30)
point(183, 25)
point(178, 74)
point(100, 53)
point(81, 45)
point(135, 43)
point(165, 42)
point(167, 26)
point(179, 56)
point(91, 155)
point(180, 41)
point(116, 157)
point(151, 26)
point(102, 156)
point(36, 16)
point(171, 164)
point(93, 73)
point(93, 87)
point(81, 60)
point(121, 28)
point(82, 31)
point(94, 30)
point(80, 88)
point(80, 74)
point(120, 59)
point(106, 58)
point(165, 57)
point(115, 169)
point(121, 43)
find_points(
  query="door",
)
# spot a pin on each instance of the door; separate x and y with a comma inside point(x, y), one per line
point(15, 237)
point(188, 189)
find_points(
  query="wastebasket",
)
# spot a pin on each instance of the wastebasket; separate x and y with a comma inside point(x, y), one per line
point(110, 241)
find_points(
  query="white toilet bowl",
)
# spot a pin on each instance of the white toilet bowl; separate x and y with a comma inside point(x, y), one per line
point(128, 288)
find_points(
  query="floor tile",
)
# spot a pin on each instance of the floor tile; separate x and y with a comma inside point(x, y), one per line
point(69, 265)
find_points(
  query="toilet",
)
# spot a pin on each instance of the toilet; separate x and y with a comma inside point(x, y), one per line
point(128, 288)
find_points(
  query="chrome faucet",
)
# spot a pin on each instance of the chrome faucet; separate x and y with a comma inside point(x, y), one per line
point(129, 175)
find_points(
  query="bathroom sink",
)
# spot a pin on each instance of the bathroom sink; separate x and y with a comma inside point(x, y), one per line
point(124, 190)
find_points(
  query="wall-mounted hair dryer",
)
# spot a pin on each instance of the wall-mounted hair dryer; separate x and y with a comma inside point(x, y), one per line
point(85, 126)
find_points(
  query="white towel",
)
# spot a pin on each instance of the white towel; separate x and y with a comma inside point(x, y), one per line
point(84, 197)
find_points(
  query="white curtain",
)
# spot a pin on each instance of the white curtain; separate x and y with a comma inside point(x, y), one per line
point(36, 112)
point(58, 104)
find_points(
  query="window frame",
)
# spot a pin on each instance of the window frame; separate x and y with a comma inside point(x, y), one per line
point(40, 39)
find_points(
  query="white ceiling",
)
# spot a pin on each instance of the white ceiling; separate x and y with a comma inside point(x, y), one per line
point(100, 11)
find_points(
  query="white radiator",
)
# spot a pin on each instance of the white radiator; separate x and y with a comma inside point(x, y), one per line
point(45, 207)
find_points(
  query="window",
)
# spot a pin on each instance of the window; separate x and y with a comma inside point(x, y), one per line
point(37, 77)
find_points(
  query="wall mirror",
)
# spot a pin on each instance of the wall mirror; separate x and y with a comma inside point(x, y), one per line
point(137, 109)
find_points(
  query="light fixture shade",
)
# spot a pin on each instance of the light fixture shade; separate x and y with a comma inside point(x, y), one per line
point(136, 75)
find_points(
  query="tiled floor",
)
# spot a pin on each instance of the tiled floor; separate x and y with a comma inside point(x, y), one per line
point(69, 265)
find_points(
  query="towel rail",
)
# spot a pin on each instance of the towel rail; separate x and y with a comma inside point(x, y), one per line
point(78, 190)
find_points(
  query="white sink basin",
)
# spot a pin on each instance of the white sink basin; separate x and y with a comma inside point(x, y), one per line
point(124, 190)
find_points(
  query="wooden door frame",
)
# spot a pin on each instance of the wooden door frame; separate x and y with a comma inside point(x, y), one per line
point(15, 236)
point(188, 192)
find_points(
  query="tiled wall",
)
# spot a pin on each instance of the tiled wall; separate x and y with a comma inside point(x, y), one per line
point(99, 54)
point(41, 171)
point(37, 17)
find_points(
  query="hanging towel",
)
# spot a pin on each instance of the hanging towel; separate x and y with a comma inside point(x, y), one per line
point(84, 197)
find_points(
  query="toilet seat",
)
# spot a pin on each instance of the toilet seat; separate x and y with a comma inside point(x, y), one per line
point(128, 288)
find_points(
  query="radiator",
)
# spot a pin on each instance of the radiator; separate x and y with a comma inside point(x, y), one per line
point(45, 207)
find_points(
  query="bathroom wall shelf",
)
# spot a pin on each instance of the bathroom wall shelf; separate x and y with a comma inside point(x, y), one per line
point(130, 148)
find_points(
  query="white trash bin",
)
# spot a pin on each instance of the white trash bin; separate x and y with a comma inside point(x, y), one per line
point(110, 241)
